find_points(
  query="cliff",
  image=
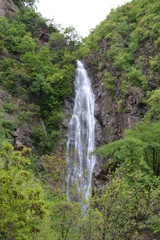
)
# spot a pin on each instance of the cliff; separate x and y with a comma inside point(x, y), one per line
point(112, 116)
point(36, 70)
point(37, 66)
point(7, 8)
point(120, 64)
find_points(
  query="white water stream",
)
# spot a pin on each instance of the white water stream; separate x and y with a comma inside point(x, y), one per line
point(81, 138)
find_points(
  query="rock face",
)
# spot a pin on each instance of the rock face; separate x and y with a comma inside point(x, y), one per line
point(62, 141)
point(7, 8)
point(13, 113)
point(21, 137)
point(44, 37)
point(111, 117)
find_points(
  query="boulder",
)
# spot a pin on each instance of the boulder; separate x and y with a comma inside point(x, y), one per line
point(7, 8)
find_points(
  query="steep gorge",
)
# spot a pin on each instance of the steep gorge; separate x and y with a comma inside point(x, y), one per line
point(37, 68)
point(122, 65)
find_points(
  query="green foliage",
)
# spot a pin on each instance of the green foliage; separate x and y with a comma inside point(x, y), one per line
point(2, 130)
point(109, 82)
point(28, 113)
point(67, 214)
point(128, 34)
point(155, 63)
point(140, 143)
point(21, 3)
point(23, 209)
point(57, 41)
point(10, 107)
point(26, 45)
point(129, 207)
point(124, 211)
point(54, 167)
point(9, 126)
point(6, 128)
point(40, 74)
point(32, 21)
point(72, 37)
point(137, 78)
point(153, 113)
point(121, 150)
point(40, 140)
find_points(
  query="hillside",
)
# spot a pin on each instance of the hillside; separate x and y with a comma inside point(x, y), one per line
point(37, 70)
point(122, 61)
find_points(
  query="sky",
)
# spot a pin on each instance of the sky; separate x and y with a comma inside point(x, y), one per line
point(83, 15)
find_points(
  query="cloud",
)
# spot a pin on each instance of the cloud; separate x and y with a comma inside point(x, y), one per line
point(83, 15)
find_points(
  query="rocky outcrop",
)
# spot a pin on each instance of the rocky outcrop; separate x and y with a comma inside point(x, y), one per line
point(62, 140)
point(21, 137)
point(113, 115)
point(44, 36)
point(17, 120)
point(7, 8)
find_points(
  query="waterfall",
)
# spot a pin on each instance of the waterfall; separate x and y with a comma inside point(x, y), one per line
point(81, 138)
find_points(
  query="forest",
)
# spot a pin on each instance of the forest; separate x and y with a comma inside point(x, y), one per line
point(37, 71)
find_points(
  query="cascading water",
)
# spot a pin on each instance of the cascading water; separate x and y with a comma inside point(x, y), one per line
point(81, 138)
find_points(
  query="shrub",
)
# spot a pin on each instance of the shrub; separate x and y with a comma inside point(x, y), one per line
point(109, 82)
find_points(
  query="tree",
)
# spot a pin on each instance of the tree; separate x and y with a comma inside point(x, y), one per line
point(22, 205)
point(21, 3)
point(72, 37)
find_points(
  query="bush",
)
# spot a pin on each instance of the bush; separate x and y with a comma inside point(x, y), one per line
point(10, 107)
point(109, 82)
point(39, 138)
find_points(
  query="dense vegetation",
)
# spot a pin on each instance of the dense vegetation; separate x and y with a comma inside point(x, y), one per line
point(129, 41)
point(36, 72)
point(127, 48)
point(39, 72)
point(135, 191)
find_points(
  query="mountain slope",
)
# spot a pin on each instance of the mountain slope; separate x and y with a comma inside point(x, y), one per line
point(123, 53)
point(36, 94)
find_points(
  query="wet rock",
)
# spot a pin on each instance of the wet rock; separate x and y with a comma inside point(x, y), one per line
point(65, 123)
point(111, 118)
